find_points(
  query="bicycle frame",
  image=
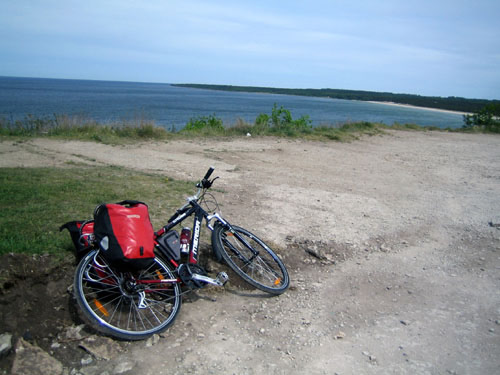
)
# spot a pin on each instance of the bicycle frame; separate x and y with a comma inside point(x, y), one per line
point(182, 214)
point(193, 207)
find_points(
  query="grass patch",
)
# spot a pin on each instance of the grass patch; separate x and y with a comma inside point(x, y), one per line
point(81, 128)
point(34, 202)
point(279, 123)
point(202, 127)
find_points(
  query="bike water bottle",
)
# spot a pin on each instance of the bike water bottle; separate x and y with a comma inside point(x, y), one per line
point(185, 240)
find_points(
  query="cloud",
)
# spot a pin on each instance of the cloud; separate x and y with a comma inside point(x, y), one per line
point(284, 41)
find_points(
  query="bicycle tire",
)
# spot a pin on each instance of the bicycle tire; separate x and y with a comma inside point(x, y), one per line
point(113, 305)
point(264, 271)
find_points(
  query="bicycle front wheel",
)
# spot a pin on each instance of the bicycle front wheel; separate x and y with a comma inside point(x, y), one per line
point(126, 305)
point(251, 259)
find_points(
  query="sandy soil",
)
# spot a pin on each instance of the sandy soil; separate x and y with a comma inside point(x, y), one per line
point(425, 108)
point(409, 276)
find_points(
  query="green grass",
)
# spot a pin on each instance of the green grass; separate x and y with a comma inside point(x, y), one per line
point(34, 202)
point(199, 128)
point(277, 124)
point(81, 128)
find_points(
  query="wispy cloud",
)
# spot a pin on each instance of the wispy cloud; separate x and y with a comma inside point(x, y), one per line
point(388, 44)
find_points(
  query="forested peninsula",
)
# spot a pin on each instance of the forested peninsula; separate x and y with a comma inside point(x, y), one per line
point(451, 103)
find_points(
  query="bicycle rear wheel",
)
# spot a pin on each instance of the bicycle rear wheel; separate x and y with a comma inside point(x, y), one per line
point(251, 259)
point(126, 305)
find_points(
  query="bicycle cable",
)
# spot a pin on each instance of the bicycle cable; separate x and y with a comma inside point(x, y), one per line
point(213, 201)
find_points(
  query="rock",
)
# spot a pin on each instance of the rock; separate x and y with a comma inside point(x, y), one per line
point(27, 336)
point(123, 367)
point(87, 360)
point(340, 335)
point(32, 360)
point(384, 248)
point(5, 343)
point(494, 225)
point(211, 265)
point(330, 258)
point(153, 340)
point(55, 345)
point(101, 347)
point(92, 370)
point(74, 332)
point(315, 252)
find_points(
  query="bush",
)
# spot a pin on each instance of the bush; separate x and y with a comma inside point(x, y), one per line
point(281, 123)
point(282, 120)
point(486, 119)
point(204, 123)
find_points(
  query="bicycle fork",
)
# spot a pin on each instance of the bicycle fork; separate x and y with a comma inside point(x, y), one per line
point(233, 233)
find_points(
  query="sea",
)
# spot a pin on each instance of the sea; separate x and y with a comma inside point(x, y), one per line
point(172, 107)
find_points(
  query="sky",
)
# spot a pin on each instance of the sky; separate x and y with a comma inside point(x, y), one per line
point(436, 48)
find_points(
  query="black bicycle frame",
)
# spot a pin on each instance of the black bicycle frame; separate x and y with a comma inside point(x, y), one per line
point(180, 216)
point(200, 214)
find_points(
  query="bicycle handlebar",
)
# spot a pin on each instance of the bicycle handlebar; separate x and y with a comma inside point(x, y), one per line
point(209, 173)
point(206, 183)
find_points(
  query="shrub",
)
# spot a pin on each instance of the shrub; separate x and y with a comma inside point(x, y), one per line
point(281, 123)
point(204, 123)
point(486, 119)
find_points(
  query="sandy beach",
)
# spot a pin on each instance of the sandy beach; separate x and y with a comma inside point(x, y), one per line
point(416, 107)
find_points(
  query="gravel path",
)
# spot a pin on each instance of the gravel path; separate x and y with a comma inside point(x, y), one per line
point(395, 269)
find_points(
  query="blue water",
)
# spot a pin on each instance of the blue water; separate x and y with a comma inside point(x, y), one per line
point(169, 106)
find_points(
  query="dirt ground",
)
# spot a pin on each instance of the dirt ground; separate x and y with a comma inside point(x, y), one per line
point(394, 266)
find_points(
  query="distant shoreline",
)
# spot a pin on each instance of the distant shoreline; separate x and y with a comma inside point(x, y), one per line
point(417, 107)
point(452, 104)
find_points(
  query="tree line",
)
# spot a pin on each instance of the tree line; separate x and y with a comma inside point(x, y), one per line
point(452, 103)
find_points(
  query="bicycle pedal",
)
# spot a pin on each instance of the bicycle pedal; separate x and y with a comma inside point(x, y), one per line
point(222, 278)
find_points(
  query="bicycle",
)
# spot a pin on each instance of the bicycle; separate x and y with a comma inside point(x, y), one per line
point(134, 305)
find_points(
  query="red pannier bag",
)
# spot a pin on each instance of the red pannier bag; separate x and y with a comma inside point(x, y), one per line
point(124, 233)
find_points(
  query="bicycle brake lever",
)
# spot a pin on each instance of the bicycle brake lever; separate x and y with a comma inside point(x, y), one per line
point(207, 184)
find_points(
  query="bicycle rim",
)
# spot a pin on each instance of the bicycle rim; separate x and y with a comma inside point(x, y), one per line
point(120, 304)
point(261, 267)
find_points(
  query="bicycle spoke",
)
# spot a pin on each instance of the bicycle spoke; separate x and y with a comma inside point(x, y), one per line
point(257, 263)
point(251, 258)
point(125, 304)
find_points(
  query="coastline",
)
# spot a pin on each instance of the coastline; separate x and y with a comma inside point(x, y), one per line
point(417, 107)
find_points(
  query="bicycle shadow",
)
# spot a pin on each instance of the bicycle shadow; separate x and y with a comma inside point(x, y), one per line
point(250, 293)
point(204, 294)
